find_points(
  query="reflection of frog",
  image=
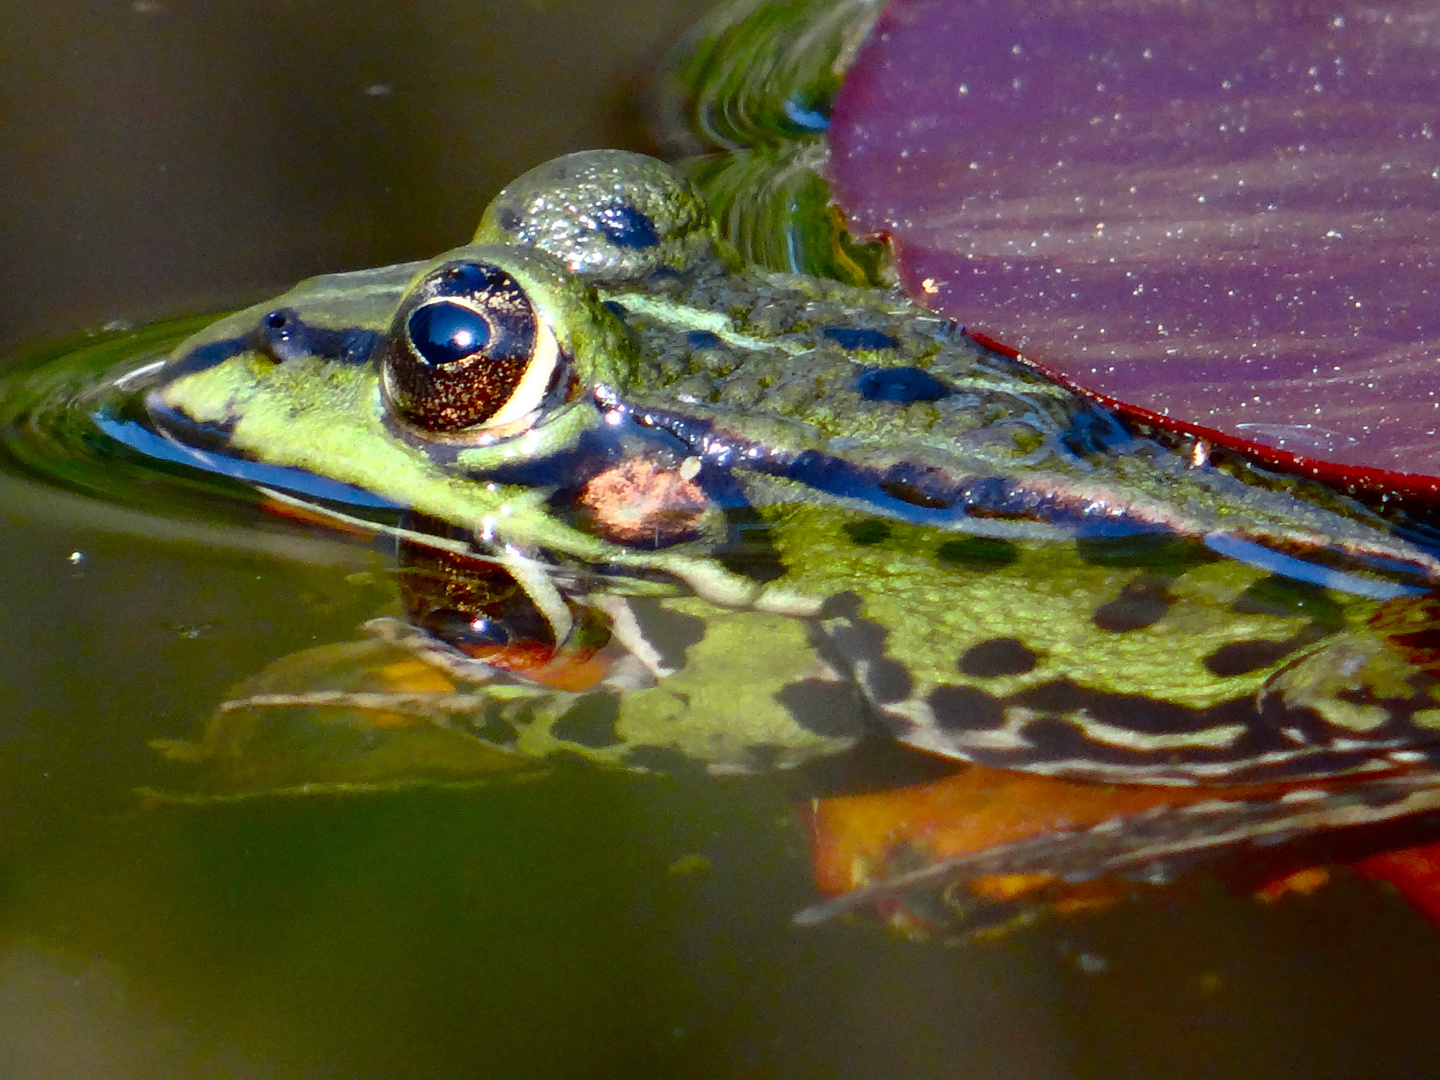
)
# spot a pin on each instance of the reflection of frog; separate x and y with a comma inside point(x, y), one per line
point(796, 508)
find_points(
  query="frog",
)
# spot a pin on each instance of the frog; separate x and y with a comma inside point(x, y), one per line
point(794, 516)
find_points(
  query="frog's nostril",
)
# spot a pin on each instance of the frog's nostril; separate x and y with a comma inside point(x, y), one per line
point(280, 335)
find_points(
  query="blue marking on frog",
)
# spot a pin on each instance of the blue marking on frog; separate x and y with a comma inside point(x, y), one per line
point(901, 385)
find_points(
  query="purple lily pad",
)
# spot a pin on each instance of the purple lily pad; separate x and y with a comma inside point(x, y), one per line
point(1223, 213)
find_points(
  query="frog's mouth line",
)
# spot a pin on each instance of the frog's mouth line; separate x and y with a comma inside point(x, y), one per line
point(163, 442)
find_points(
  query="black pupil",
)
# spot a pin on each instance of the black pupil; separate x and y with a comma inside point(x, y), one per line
point(444, 332)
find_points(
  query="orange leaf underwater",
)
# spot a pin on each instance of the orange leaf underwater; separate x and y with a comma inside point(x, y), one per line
point(897, 849)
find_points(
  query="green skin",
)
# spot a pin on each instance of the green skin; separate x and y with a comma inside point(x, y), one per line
point(1003, 634)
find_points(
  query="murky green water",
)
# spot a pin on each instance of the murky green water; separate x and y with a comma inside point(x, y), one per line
point(163, 158)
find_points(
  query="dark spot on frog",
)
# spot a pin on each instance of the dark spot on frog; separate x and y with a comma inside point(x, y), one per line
point(1421, 650)
point(670, 632)
point(866, 533)
point(981, 553)
point(664, 278)
point(831, 710)
point(858, 639)
point(1145, 715)
point(1094, 431)
point(751, 551)
point(590, 721)
point(1242, 657)
point(852, 643)
point(1411, 626)
point(703, 339)
point(963, 708)
point(1160, 551)
point(618, 310)
point(998, 656)
point(494, 730)
point(1141, 603)
point(626, 227)
point(664, 761)
point(843, 605)
point(888, 680)
point(862, 339)
point(1276, 595)
point(900, 386)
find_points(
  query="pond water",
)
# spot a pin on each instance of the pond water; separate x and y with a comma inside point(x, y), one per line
point(163, 160)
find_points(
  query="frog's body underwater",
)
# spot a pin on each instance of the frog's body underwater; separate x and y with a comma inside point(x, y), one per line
point(804, 511)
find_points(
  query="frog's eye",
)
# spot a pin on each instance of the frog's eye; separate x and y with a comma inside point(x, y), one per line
point(467, 350)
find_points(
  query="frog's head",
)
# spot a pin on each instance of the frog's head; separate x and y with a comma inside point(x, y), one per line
point(373, 378)
point(490, 354)
point(487, 343)
point(476, 389)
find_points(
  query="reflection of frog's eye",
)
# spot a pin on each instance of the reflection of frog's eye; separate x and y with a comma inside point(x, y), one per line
point(467, 350)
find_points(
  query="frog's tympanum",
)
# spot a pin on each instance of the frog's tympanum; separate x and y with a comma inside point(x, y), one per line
point(765, 514)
